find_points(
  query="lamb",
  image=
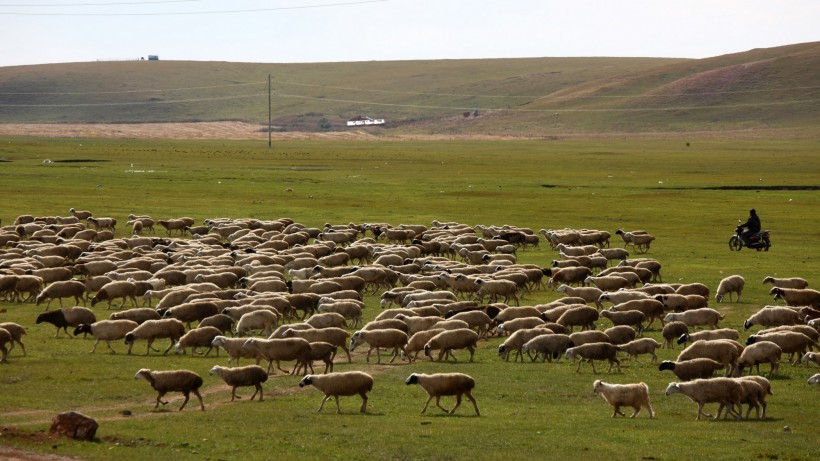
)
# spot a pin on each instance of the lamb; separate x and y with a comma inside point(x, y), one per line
point(67, 317)
point(630, 318)
point(62, 289)
point(319, 350)
point(16, 331)
point(704, 316)
point(198, 337)
point(807, 357)
point(791, 342)
point(377, 339)
point(688, 370)
point(725, 391)
point(139, 315)
point(150, 330)
point(261, 319)
point(276, 350)
point(618, 395)
point(234, 348)
point(549, 346)
point(729, 285)
point(462, 338)
point(251, 375)
point(444, 384)
point(722, 350)
point(341, 384)
point(173, 381)
point(594, 351)
point(672, 331)
point(709, 335)
point(106, 330)
point(797, 297)
point(772, 316)
point(760, 352)
point(641, 346)
point(791, 282)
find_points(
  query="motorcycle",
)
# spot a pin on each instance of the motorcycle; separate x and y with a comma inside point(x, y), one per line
point(758, 241)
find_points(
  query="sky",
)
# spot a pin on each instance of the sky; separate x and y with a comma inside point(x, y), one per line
point(288, 31)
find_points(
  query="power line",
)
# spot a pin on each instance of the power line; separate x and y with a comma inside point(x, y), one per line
point(190, 13)
point(98, 4)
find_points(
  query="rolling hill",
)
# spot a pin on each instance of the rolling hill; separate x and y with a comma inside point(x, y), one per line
point(773, 88)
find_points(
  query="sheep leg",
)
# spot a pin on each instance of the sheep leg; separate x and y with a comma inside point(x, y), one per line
point(258, 391)
point(472, 353)
point(173, 341)
point(469, 395)
point(363, 408)
point(159, 400)
point(325, 399)
point(429, 398)
point(233, 394)
point(619, 412)
point(438, 398)
point(458, 403)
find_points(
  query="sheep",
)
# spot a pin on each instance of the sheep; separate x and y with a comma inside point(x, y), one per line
point(641, 346)
point(150, 330)
point(651, 308)
point(67, 317)
point(32, 285)
point(277, 350)
point(327, 319)
point(620, 296)
point(549, 346)
point(116, 289)
point(139, 315)
point(709, 335)
point(620, 334)
point(583, 316)
point(591, 336)
point(81, 215)
point(678, 303)
point(261, 319)
point(173, 381)
point(791, 282)
point(608, 282)
point(349, 309)
point(568, 275)
point(693, 289)
point(341, 384)
point(729, 285)
point(516, 341)
point(333, 335)
point(594, 351)
point(62, 289)
point(475, 319)
point(416, 342)
point(704, 316)
point(815, 379)
point(235, 350)
point(319, 350)
point(192, 312)
point(758, 395)
point(791, 342)
point(630, 318)
point(106, 330)
point(5, 338)
point(725, 391)
point(511, 326)
point(494, 288)
point(462, 338)
point(221, 322)
point(807, 357)
point(724, 351)
point(618, 395)
point(198, 337)
point(771, 316)
point(16, 331)
point(589, 294)
point(377, 339)
point(250, 375)
point(672, 331)
point(760, 352)
point(443, 384)
point(688, 370)
point(797, 297)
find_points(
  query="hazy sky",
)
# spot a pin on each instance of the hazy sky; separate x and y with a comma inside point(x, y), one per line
point(278, 31)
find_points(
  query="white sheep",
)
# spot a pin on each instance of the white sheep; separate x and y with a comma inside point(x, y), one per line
point(116, 289)
point(724, 351)
point(106, 330)
point(729, 285)
point(791, 342)
point(251, 375)
point(704, 316)
point(772, 316)
point(444, 384)
point(760, 352)
point(709, 335)
point(333, 335)
point(139, 314)
point(549, 346)
point(234, 348)
point(618, 395)
point(517, 340)
point(416, 343)
point(495, 288)
point(641, 346)
point(807, 357)
point(448, 340)
point(262, 319)
point(277, 350)
point(341, 384)
point(378, 339)
point(815, 379)
point(198, 337)
point(791, 282)
point(150, 330)
point(725, 391)
point(16, 331)
point(594, 351)
point(173, 381)
point(62, 289)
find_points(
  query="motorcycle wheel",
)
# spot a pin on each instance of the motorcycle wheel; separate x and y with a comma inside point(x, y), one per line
point(767, 244)
point(735, 244)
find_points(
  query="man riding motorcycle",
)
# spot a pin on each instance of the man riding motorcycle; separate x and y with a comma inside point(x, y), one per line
point(752, 225)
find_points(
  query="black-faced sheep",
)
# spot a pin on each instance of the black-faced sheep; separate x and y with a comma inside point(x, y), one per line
point(688, 370)
point(729, 285)
point(797, 297)
point(251, 375)
point(445, 384)
point(106, 330)
point(67, 317)
point(341, 385)
point(724, 351)
point(709, 335)
point(630, 395)
point(173, 381)
point(725, 391)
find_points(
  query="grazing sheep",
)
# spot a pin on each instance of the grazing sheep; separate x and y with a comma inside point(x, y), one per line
point(672, 331)
point(729, 285)
point(150, 330)
point(797, 297)
point(641, 346)
point(791, 282)
point(791, 342)
point(594, 351)
point(688, 370)
point(807, 357)
point(67, 317)
point(757, 353)
point(772, 316)
point(62, 289)
point(448, 340)
point(173, 381)
point(16, 331)
point(815, 379)
point(139, 315)
point(377, 339)
point(261, 319)
point(618, 395)
point(725, 391)
point(251, 375)
point(277, 350)
point(709, 335)
point(234, 348)
point(417, 342)
point(341, 384)
point(704, 316)
point(106, 330)
point(549, 346)
point(724, 351)
point(198, 337)
point(443, 384)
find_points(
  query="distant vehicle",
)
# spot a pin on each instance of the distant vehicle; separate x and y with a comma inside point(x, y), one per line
point(362, 120)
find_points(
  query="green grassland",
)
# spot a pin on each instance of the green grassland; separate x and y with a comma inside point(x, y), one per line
point(668, 187)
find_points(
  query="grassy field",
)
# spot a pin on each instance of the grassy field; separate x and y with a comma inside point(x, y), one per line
point(668, 187)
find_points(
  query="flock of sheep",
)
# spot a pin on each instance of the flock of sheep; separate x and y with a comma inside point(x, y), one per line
point(279, 291)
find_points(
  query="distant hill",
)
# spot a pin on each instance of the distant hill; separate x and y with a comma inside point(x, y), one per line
point(762, 88)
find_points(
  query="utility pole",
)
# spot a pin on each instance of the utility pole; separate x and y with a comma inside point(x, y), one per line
point(270, 122)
